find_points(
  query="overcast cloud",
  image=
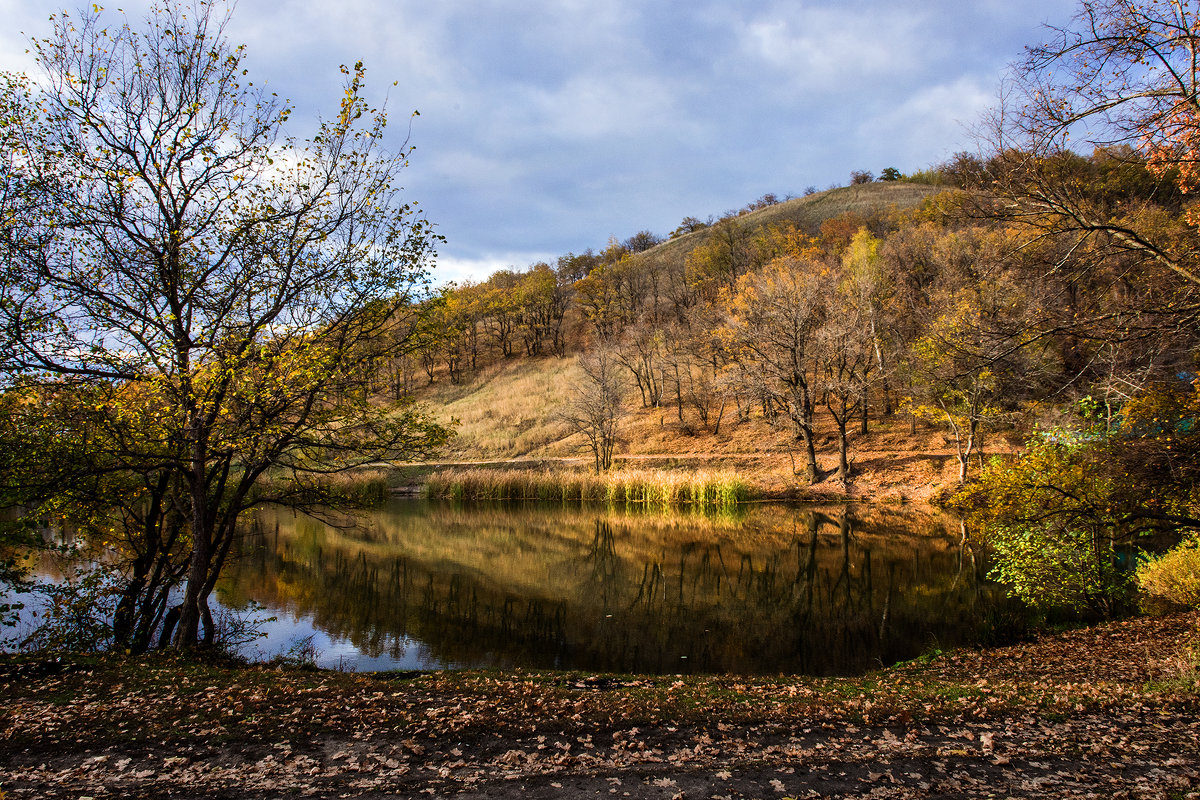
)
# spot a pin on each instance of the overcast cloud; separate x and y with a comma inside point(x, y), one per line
point(547, 126)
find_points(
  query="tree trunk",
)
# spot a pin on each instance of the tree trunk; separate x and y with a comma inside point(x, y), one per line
point(843, 473)
point(193, 606)
point(812, 472)
point(862, 428)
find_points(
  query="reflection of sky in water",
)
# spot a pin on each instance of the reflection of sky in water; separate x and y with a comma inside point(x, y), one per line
point(11, 637)
point(420, 587)
point(279, 636)
point(287, 631)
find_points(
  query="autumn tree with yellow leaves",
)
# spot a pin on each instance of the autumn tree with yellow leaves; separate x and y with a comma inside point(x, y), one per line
point(213, 297)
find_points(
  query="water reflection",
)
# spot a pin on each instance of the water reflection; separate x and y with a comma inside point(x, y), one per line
point(776, 589)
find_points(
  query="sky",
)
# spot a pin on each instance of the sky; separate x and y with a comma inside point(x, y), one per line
point(551, 126)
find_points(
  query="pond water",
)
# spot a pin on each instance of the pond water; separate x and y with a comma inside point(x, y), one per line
point(768, 589)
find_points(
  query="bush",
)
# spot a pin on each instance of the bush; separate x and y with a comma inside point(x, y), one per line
point(1053, 520)
point(1174, 576)
point(78, 612)
point(237, 628)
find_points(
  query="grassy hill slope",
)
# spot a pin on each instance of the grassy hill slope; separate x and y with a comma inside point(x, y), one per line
point(808, 213)
point(507, 415)
point(509, 411)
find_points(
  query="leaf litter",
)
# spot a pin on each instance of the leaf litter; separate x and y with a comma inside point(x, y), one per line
point(1099, 712)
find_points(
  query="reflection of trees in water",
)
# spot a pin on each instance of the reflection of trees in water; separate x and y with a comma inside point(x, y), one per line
point(818, 593)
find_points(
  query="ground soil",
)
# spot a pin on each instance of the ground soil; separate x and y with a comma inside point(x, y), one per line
point(1106, 712)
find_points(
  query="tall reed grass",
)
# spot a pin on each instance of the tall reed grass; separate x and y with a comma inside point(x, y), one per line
point(362, 488)
point(648, 488)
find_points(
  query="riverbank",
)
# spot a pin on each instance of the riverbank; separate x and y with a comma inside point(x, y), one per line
point(508, 416)
point(890, 476)
point(1110, 710)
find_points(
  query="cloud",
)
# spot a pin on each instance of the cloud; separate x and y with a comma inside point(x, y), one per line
point(822, 50)
point(930, 124)
point(476, 269)
point(548, 125)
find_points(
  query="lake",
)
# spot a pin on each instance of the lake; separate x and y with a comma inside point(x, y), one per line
point(767, 589)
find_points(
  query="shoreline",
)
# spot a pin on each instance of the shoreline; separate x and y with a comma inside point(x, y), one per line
point(1108, 709)
point(886, 478)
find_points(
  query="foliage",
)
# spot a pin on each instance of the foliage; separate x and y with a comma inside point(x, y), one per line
point(202, 298)
point(1054, 521)
point(726, 254)
point(237, 628)
point(77, 613)
point(975, 349)
point(772, 331)
point(1162, 449)
point(1173, 576)
point(1122, 76)
point(1065, 516)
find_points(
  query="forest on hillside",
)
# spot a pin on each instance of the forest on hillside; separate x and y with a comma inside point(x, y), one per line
point(194, 326)
point(945, 307)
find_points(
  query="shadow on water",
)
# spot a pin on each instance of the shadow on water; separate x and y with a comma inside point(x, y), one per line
point(772, 589)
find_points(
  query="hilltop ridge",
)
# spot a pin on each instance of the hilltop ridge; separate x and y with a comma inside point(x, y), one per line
point(808, 213)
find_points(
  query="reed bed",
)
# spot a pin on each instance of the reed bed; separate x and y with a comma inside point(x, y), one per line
point(363, 487)
point(360, 488)
point(647, 488)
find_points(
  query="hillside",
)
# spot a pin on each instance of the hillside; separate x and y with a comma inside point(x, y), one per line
point(508, 415)
point(509, 411)
point(809, 212)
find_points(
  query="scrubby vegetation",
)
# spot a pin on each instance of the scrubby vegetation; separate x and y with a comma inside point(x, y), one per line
point(1174, 576)
point(650, 489)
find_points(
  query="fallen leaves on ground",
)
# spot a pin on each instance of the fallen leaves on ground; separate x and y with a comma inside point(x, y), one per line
point(1102, 711)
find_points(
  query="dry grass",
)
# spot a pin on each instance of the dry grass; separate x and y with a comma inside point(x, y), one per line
point(507, 413)
point(809, 212)
point(647, 488)
point(509, 409)
point(360, 488)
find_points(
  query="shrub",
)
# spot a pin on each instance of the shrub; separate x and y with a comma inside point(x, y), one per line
point(77, 613)
point(1175, 575)
point(1053, 520)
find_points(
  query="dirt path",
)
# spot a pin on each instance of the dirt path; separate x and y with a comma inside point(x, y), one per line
point(1108, 712)
point(1122, 755)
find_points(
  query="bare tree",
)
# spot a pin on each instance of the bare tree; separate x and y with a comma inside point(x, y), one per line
point(772, 330)
point(1123, 76)
point(844, 352)
point(596, 406)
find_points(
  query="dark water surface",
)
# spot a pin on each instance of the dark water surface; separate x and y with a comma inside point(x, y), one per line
point(831, 591)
